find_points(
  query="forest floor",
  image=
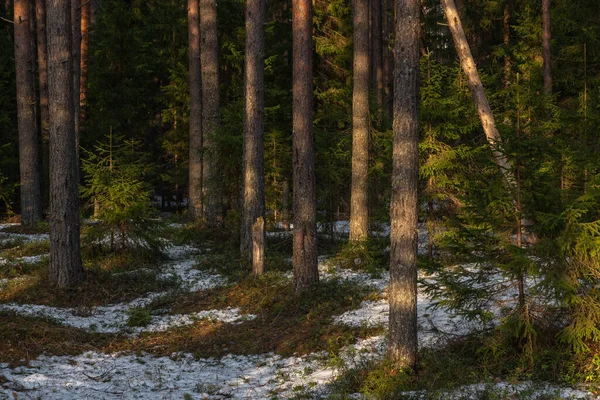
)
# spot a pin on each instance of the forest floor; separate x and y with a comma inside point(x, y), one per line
point(193, 325)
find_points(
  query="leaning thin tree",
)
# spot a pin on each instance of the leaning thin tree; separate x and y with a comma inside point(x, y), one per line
point(402, 344)
point(65, 256)
point(479, 98)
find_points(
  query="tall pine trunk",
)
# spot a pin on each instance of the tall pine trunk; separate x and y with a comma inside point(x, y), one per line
point(377, 56)
point(31, 198)
point(388, 56)
point(209, 64)
point(481, 102)
point(306, 272)
point(42, 64)
point(195, 120)
point(76, 49)
point(359, 198)
point(253, 210)
point(547, 45)
point(402, 295)
point(65, 257)
point(84, 53)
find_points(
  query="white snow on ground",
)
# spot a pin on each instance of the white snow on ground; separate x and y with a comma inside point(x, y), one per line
point(142, 376)
point(435, 324)
point(122, 376)
point(27, 238)
point(114, 318)
point(23, 260)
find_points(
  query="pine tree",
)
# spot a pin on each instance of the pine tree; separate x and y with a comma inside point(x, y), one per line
point(195, 119)
point(42, 64)
point(65, 257)
point(252, 236)
point(209, 64)
point(402, 295)
point(115, 173)
point(359, 199)
point(305, 265)
point(31, 199)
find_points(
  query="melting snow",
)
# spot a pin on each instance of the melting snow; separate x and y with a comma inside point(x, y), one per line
point(106, 376)
point(113, 318)
point(125, 376)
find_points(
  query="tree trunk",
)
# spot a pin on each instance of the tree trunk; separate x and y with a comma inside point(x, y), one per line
point(85, 40)
point(547, 43)
point(377, 60)
point(93, 11)
point(258, 246)
point(483, 107)
point(403, 342)
point(42, 61)
point(253, 208)
point(285, 205)
point(209, 63)
point(65, 257)
point(76, 49)
point(359, 198)
point(305, 265)
point(31, 198)
point(195, 155)
point(388, 57)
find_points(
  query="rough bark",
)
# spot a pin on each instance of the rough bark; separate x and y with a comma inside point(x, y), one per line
point(388, 57)
point(258, 246)
point(377, 55)
point(483, 107)
point(209, 64)
point(84, 52)
point(306, 273)
point(253, 208)
point(359, 197)
point(42, 66)
point(65, 257)
point(285, 205)
point(31, 198)
point(403, 343)
point(93, 11)
point(547, 44)
point(76, 50)
point(195, 147)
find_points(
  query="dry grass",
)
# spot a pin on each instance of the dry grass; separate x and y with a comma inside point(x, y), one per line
point(99, 288)
point(286, 323)
point(24, 339)
point(26, 249)
point(35, 230)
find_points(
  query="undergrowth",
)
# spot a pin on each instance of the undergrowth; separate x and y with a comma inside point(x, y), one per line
point(285, 324)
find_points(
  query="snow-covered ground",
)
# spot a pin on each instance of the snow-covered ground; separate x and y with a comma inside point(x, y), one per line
point(26, 238)
point(94, 375)
point(114, 318)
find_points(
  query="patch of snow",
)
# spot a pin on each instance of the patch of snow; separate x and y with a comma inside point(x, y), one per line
point(24, 260)
point(113, 318)
point(27, 238)
point(166, 322)
point(98, 376)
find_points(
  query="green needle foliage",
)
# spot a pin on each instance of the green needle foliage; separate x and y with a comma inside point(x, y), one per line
point(120, 197)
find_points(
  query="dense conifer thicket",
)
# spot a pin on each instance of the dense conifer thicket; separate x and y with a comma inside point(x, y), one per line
point(536, 219)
